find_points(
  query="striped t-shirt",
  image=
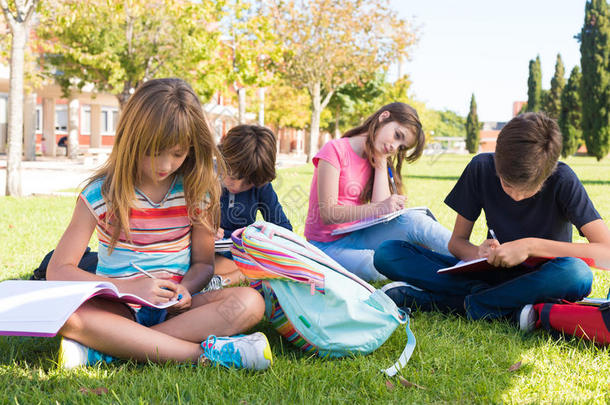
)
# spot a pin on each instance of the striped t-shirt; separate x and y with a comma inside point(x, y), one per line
point(160, 234)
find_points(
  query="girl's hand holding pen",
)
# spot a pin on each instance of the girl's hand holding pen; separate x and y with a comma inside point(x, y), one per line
point(184, 300)
point(393, 203)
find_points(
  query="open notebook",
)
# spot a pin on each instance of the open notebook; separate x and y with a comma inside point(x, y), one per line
point(476, 265)
point(365, 223)
point(40, 308)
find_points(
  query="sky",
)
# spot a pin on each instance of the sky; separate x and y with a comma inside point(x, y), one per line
point(484, 47)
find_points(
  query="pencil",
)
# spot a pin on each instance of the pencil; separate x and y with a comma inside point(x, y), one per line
point(392, 182)
point(141, 270)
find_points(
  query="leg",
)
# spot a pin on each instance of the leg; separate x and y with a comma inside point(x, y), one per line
point(349, 255)
point(561, 278)
point(227, 269)
point(223, 312)
point(417, 266)
point(126, 338)
point(415, 227)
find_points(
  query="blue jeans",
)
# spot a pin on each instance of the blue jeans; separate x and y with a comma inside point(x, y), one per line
point(355, 251)
point(491, 294)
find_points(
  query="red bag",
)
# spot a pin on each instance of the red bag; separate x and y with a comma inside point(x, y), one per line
point(584, 321)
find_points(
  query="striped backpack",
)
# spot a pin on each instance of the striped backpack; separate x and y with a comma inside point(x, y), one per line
point(311, 300)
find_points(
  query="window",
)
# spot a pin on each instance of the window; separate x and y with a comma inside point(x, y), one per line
point(38, 118)
point(109, 119)
point(61, 118)
point(85, 120)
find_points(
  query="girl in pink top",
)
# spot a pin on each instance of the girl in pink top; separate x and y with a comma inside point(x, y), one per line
point(351, 182)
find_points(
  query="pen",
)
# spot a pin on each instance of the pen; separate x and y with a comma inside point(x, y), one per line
point(141, 270)
point(492, 233)
point(392, 182)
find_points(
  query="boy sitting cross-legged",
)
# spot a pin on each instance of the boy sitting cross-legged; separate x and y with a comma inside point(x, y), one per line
point(531, 202)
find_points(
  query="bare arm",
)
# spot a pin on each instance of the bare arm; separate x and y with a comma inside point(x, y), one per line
point(460, 245)
point(381, 185)
point(64, 262)
point(202, 259)
point(512, 253)
point(333, 213)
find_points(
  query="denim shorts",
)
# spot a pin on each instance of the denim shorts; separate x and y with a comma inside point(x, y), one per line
point(150, 316)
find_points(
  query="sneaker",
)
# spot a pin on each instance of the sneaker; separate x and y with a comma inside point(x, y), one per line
point(73, 354)
point(216, 283)
point(528, 318)
point(405, 295)
point(242, 351)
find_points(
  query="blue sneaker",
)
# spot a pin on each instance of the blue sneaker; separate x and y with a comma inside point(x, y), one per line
point(242, 351)
point(73, 354)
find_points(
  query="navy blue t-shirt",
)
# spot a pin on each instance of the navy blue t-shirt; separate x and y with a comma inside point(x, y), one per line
point(549, 214)
point(239, 210)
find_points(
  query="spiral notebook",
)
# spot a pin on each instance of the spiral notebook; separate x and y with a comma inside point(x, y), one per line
point(365, 223)
point(40, 308)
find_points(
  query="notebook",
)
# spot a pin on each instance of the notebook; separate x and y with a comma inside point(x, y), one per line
point(476, 265)
point(223, 245)
point(40, 308)
point(365, 223)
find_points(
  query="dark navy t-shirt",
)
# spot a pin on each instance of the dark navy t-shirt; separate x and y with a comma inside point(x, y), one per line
point(549, 214)
point(239, 210)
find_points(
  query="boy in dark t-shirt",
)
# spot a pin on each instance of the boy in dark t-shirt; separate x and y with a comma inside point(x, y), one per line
point(249, 153)
point(531, 202)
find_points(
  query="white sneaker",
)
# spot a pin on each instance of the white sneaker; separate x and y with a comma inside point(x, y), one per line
point(73, 354)
point(216, 283)
point(528, 318)
point(242, 351)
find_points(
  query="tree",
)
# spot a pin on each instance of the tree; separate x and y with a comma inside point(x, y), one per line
point(116, 45)
point(450, 124)
point(19, 19)
point(595, 83)
point(472, 127)
point(553, 102)
point(534, 86)
point(329, 43)
point(570, 115)
point(287, 106)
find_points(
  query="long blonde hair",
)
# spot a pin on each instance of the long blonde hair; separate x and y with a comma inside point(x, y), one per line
point(406, 116)
point(161, 114)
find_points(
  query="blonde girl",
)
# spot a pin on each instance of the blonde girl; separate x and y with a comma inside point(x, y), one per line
point(352, 182)
point(155, 206)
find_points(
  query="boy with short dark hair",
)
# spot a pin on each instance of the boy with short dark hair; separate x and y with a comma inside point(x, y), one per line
point(530, 202)
point(249, 152)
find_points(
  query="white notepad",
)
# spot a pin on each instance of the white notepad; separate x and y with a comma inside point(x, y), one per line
point(40, 308)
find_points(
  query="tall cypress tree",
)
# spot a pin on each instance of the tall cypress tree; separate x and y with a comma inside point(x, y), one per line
point(553, 102)
point(472, 127)
point(595, 82)
point(534, 86)
point(570, 115)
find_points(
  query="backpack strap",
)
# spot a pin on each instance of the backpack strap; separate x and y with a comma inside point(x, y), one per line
point(404, 356)
point(604, 309)
point(545, 316)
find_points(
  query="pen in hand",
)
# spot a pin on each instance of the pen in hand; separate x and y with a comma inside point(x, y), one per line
point(141, 270)
point(392, 182)
point(492, 233)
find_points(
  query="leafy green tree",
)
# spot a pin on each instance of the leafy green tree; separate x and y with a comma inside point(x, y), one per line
point(329, 43)
point(553, 103)
point(450, 124)
point(18, 16)
point(116, 45)
point(595, 83)
point(570, 114)
point(286, 106)
point(472, 127)
point(534, 86)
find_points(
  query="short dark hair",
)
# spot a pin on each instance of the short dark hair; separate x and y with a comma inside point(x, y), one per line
point(249, 152)
point(527, 150)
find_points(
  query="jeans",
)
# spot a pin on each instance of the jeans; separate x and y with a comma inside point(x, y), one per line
point(492, 294)
point(355, 251)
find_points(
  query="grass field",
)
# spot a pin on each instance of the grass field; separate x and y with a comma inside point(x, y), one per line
point(455, 360)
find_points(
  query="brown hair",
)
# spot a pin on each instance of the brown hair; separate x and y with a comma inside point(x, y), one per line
point(249, 153)
point(161, 114)
point(527, 150)
point(404, 115)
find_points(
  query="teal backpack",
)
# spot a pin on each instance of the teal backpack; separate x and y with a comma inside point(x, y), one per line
point(312, 300)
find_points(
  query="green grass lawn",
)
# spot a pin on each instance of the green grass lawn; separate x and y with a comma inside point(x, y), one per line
point(455, 360)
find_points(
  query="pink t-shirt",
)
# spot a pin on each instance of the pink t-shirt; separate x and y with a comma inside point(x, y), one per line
point(354, 172)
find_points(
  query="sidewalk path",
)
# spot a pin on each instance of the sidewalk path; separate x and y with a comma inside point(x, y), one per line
point(56, 175)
